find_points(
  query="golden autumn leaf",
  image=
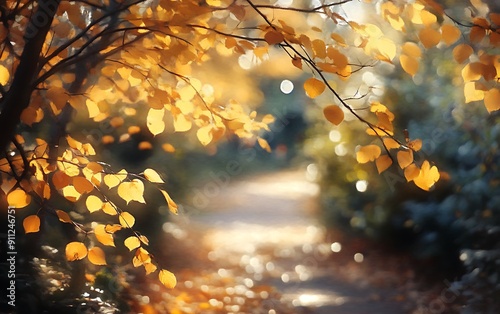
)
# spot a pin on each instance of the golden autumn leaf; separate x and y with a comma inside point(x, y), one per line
point(172, 206)
point(427, 177)
point(390, 143)
point(429, 37)
point(368, 153)
point(264, 144)
point(112, 180)
point(18, 198)
point(132, 191)
point(126, 219)
point(132, 243)
point(492, 100)
point(411, 172)
point(141, 257)
point(462, 52)
point(75, 251)
point(205, 135)
point(273, 37)
point(334, 114)
point(96, 256)
point(31, 224)
point(409, 64)
point(4, 75)
point(103, 236)
point(450, 34)
point(154, 121)
point(82, 185)
point(152, 176)
point(415, 145)
point(150, 268)
point(383, 163)
point(63, 216)
point(93, 203)
point(411, 49)
point(472, 92)
point(167, 278)
point(109, 208)
point(314, 87)
point(405, 158)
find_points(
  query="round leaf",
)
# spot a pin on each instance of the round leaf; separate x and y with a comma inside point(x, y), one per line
point(334, 114)
point(75, 251)
point(314, 87)
point(96, 256)
point(31, 223)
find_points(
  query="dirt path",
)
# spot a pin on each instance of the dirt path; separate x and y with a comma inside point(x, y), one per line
point(256, 248)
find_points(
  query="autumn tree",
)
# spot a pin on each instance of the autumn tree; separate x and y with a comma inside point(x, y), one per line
point(139, 66)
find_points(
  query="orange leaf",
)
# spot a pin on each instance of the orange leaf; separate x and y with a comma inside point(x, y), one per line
point(150, 268)
point(167, 278)
point(391, 143)
point(75, 251)
point(416, 145)
point(429, 37)
point(31, 224)
point(96, 256)
point(314, 87)
point(132, 243)
point(450, 34)
point(334, 114)
point(368, 153)
point(409, 64)
point(405, 158)
point(103, 236)
point(273, 37)
point(264, 144)
point(462, 52)
point(411, 172)
point(126, 220)
point(492, 100)
point(63, 216)
point(18, 198)
point(472, 92)
point(172, 206)
point(477, 34)
point(428, 176)
point(383, 162)
point(82, 185)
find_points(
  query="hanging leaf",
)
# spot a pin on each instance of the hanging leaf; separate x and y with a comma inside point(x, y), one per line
point(82, 185)
point(112, 180)
point(429, 37)
point(109, 209)
point(132, 191)
point(314, 87)
point(409, 64)
point(334, 114)
point(141, 257)
point(18, 198)
point(172, 206)
point(205, 135)
point(75, 251)
point(383, 163)
point(167, 278)
point(411, 172)
point(274, 37)
point(132, 243)
point(462, 52)
point(96, 256)
point(150, 268)
point(492, 100)
point(4, 75)
point(152, 176)
point(264, 144)
point(450, 34)
point(405, 158)
point(368, 153)
point(63, 216)
point(31, 224)
point(427, 177)
point(126, 219)
point(93, 203)
point(103, 236)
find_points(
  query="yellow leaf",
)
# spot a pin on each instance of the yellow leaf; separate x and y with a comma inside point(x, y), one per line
point(108, 208)
point(132, 243)
point(152, 176)
point(112, 180)
point(150, 268)
point(264, 144)
point(450, 34)
point(18, 199)
point(205, 135)
point(132, 191)
point(70, 193)
point(391, 143)
point(141, 257)
point(383, 162)
point(274, 37)
point(409, 64)
point(429, 37)
point(492, 100)
point(93, 203)
point(462, 52)
point(103, 236)
point(334, 114)
point(473, 71)
point(112, 228)
point(154, 121)
point(405, 158)
point(126, 220)
point(167, 278)
point(4, 75)
point(96, 256)
point(471, 92)
point(172, 206)
point(314, 87)
point(368, 153)
point(63, 216)
point(319, 48)
point(31, 224)
point(339, 39)
point(411, 49)
point(411, 172)
point(181, 123)
point(75, 251)
point(427, 177)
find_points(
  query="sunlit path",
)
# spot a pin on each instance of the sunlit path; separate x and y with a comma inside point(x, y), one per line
point(260, 250)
